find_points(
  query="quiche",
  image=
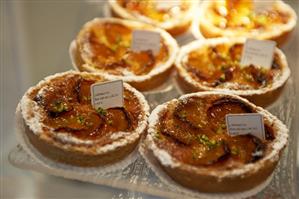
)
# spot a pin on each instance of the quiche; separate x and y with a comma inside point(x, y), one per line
point(62, 125)
point(188, 137)
point(104, 46)
point(214, 65)
point(230, 18)
point(172, 16)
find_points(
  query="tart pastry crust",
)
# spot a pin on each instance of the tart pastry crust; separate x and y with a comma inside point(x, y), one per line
point(203, 25)
point(143, 70)
point(63, 126)
point(263, 87)
point(177, 24)
point(213, 169)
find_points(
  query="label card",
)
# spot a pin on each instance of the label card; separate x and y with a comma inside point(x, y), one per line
point(258, 52)
point(146, 40)
point(262, 5)
point(248, 123)
point(167, 4)
point(107, 94)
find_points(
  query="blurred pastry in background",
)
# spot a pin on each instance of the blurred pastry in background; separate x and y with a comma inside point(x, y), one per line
point(174, 16)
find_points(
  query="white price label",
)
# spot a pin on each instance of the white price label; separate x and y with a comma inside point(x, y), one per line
point(107, 94)
point(146, 40)
point(248, 123)
point(258, 52)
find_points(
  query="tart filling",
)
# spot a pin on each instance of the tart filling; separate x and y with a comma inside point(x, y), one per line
point(188, 137)
point(214, 64)
point(156, 12)
point(104, 45)
point(59, 111)
point(239, 18)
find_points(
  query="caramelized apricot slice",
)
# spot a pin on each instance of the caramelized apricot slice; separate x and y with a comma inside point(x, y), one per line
point(140, 62)
point(114, 32)
point(83, 90)
point(117, 119)
point(191, 113)
point(204, 155)
point(80, 118)
point(220, 108)
point(57, 97)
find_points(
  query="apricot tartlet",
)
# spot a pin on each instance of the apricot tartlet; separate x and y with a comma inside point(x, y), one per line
point(104, 46)
point(214, 65)
point(60, 122)
point(188, 137)
point(173, 16)
point(229, 18)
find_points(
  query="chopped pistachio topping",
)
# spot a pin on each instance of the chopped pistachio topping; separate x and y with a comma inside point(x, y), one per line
point(222, 77)
point(110, 122)
point(183, 114)
point(60, 106)
point(80, 119)
point(221, 128)
point(234, 150)
point(203, 139)
point(102, 112)
point(86, 98)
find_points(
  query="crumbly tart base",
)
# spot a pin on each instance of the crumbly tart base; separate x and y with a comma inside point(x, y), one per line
point(208, 30)
point(69, 150)
point(212, 180)
point(261, 97)
point(175, 27)
point(166, 179)
point(56, 154)
point(153, 79)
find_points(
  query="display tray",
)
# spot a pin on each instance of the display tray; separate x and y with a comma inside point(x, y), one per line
point(141, 175)
point(138, 176)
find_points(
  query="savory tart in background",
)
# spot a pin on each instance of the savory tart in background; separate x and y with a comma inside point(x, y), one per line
point(62, 125)
point(214, 65)
point(173, 16)
point(229, 18)
point(189, 139)
point(104, 46)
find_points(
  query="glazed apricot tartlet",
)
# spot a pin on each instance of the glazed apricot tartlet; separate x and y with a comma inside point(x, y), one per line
point(104, 46)
point(214, 65)
point(60, 122)
point(188, 138)
point(173, 16)
point(229, 18)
